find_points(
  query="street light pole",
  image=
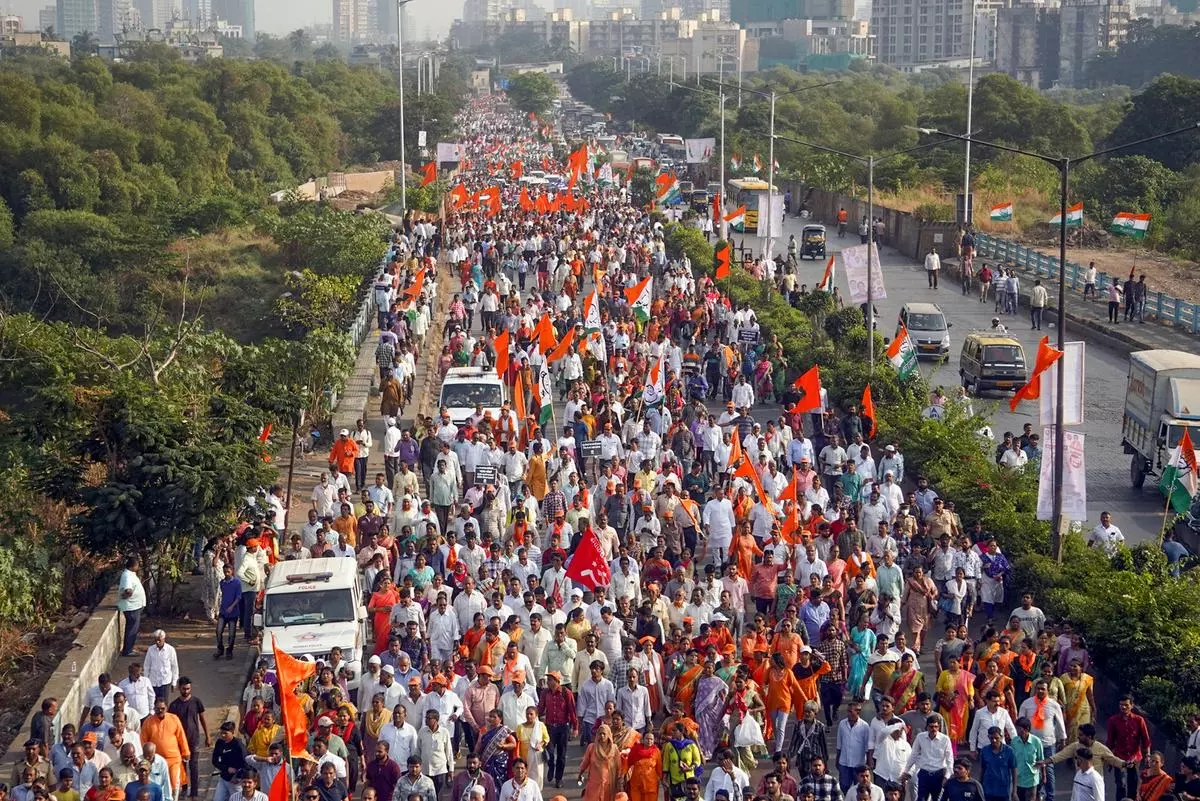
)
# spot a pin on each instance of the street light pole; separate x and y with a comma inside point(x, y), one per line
point(721, 224)
point(770, 183)
point(400, 4)
point(967, 205)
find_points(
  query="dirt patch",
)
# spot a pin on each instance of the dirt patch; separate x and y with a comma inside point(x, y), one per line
point(1175, 277)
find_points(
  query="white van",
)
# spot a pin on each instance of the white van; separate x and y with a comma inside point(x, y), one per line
point(312, 605)
point(464, 388)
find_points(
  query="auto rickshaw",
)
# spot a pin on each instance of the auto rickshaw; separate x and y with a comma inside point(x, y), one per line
point(812, 242)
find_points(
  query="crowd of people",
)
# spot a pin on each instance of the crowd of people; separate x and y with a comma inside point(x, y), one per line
point(711, 604)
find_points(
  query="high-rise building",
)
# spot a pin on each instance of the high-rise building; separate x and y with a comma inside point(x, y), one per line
point(911, 32)
point(1027, 44)
point(74, 17)
point(48, 18)
point(1086, 29)
point(236, 12)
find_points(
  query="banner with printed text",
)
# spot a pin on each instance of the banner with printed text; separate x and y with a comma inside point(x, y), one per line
point(854, 262)
point(451, 151)
point(1074, 481)
point(699, 151)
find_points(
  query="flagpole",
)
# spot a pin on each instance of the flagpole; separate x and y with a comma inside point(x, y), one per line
point(1162, 531)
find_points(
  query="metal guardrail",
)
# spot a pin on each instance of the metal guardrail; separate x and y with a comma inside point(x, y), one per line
point(361, 327)
point(1180, 313)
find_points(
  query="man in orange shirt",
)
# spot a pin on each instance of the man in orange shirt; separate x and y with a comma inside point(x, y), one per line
point(166, 731)
point(346, 523)
point(343, 453)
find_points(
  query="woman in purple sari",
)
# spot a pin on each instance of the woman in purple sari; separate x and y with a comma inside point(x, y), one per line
point(495, 747)
point(709, 706)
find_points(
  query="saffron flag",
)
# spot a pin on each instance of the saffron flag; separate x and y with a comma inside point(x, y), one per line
point(289, 673)
point(280, 789)
point(722, 255)
point(640, 296)
point(735, 450)
point(501, 344)
point(519, 401)
point(1046, 356)
point(265, 434)
point(587, 567)
point(524, 201)
point(429, 173)
point(1074, 216)
point(517, 168)
point(716, 207)
point(828, 277)
point(458, 197)
point(868, 408)
point(563, 347)
point(809, 385)
point(901, 354)
point(1178, 481)
point(746, 470)
point(543, 334)
point(791, 491)
point(1002, 212)
point(542, 205)
point(737, 218)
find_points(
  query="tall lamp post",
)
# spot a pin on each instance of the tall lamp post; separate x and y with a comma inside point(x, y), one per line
point(870, 160)
point(772, 96)
point(1063, 164)
point(721, 154)
point(400, 4)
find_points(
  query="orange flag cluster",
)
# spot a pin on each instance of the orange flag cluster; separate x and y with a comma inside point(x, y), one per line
point(722, 255)
point(289, 673)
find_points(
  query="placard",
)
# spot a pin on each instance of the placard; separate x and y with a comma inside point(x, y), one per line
point(1072, 362)
point(590, 448)
point(450, 151)
point(1074, 479)
point(747, 335)
point(699, 151)
point(485, 474)
point(854, 260)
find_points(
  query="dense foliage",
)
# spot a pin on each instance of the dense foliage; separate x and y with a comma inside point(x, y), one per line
point(531, 92)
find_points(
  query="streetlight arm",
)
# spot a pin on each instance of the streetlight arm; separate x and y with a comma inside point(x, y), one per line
point(1059, 159)
point(767, 95)
point(962, 138)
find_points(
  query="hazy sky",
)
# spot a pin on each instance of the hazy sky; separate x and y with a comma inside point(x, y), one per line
point(282, 16)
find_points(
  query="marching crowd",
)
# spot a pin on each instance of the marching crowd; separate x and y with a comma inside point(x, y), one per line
point(691, 592)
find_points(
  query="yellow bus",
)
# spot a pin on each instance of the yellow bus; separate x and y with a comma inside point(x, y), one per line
point(746, 192)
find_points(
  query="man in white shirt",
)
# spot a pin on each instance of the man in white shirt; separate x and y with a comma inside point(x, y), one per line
point(400, 735)
point(131, 601)
point(718, 523)
point(726, 776)
point(633, 701)
point(520, 787)
point(516, 700)
point(1106, 535)
point(1089, 783)
point(991, 714)
point(161, 665)
point(933, 757)
point(443, 629)
point(892, 751)
point(139, 692)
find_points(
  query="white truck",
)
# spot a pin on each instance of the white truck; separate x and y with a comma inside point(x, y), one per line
point(1162, 398)
point(466, 389)
point(313, 605)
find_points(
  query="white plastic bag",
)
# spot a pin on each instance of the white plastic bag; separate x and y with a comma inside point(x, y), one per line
point(748, 733)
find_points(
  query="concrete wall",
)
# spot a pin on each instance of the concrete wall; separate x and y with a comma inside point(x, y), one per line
point(93, 652)
point(371, 182)
point(904, 232)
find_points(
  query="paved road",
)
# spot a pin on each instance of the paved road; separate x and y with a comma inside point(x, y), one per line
point(1137, 512)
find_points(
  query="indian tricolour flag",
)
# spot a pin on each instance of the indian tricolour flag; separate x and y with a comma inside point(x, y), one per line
point(757, 164)
point(1178, 481)
point(737, 218)
point(1074, 216)
point(591, 313)
point(545, 396)
point(1126, 223)
point(652, 393)
point(1002, 212)
point(735, 161)
point(902, 354)
point(828, 278)
point(640, 296)
point(606, 174)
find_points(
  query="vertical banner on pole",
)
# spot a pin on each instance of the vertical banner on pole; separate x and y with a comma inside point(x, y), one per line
point(1074, 480)
point(1072, 362)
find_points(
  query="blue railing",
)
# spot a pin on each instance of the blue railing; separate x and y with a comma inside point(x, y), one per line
point(1178, 312)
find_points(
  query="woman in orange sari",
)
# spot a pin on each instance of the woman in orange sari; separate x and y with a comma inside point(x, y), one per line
point(644, 771)
point(685, 683)
point(955, 693)
point(1156, 782)
point(380, 606)
point(993, 679)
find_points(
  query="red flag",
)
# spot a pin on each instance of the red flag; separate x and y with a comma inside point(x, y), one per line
point(490, 199)
point(429, 173)
point(280, 789)
point(809, 385)
point(458, 196)
point(289, 672)
point(501, 345)
point(723, 261)
point(747, 471)
point(541, 205)
point(518, 169)
point(663, 183)
point(791, 491)
point(265, 434)
point(868, 408)
point(418, 284)
point(1046, 356)
point(563, 348)
point(588, 568)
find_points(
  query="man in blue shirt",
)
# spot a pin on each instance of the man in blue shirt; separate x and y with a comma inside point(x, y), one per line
point(998, 766)
point(133, 790)
point(229, 612)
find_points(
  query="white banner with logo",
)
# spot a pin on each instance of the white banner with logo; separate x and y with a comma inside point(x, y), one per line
point(1072, 362)
point(451, 151)
point(775, 231)
point(1074, 481)
point(854, 260)
point(699, 151)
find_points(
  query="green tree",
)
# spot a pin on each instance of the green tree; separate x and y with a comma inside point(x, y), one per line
point(531, 92)
point(6, 226)
point(1168, 103)
point(641, 188)
point(317, 301)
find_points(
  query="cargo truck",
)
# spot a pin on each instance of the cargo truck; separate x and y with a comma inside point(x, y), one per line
point(1162, 398)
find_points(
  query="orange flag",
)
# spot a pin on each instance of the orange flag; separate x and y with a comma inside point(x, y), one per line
point(747, 471)
point(524, 201)
point(716, 207)
point(518, 169)
point(429, 173)
point(555, 204)
point(458, 196)
point(280, 789)
point(501, 345)
point(740, 211)
point(723, 261)
point(518, 395)
point(414, 291)
point(791, 490)
point(1046, 356)
point(265, 434)
point(542, 205)
point(563, 348)
point(735, 450)
point(289, 673)
point(578, 160)
point(868, 408)
point(810, 385)
point(545, 164)
point(543, 334)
